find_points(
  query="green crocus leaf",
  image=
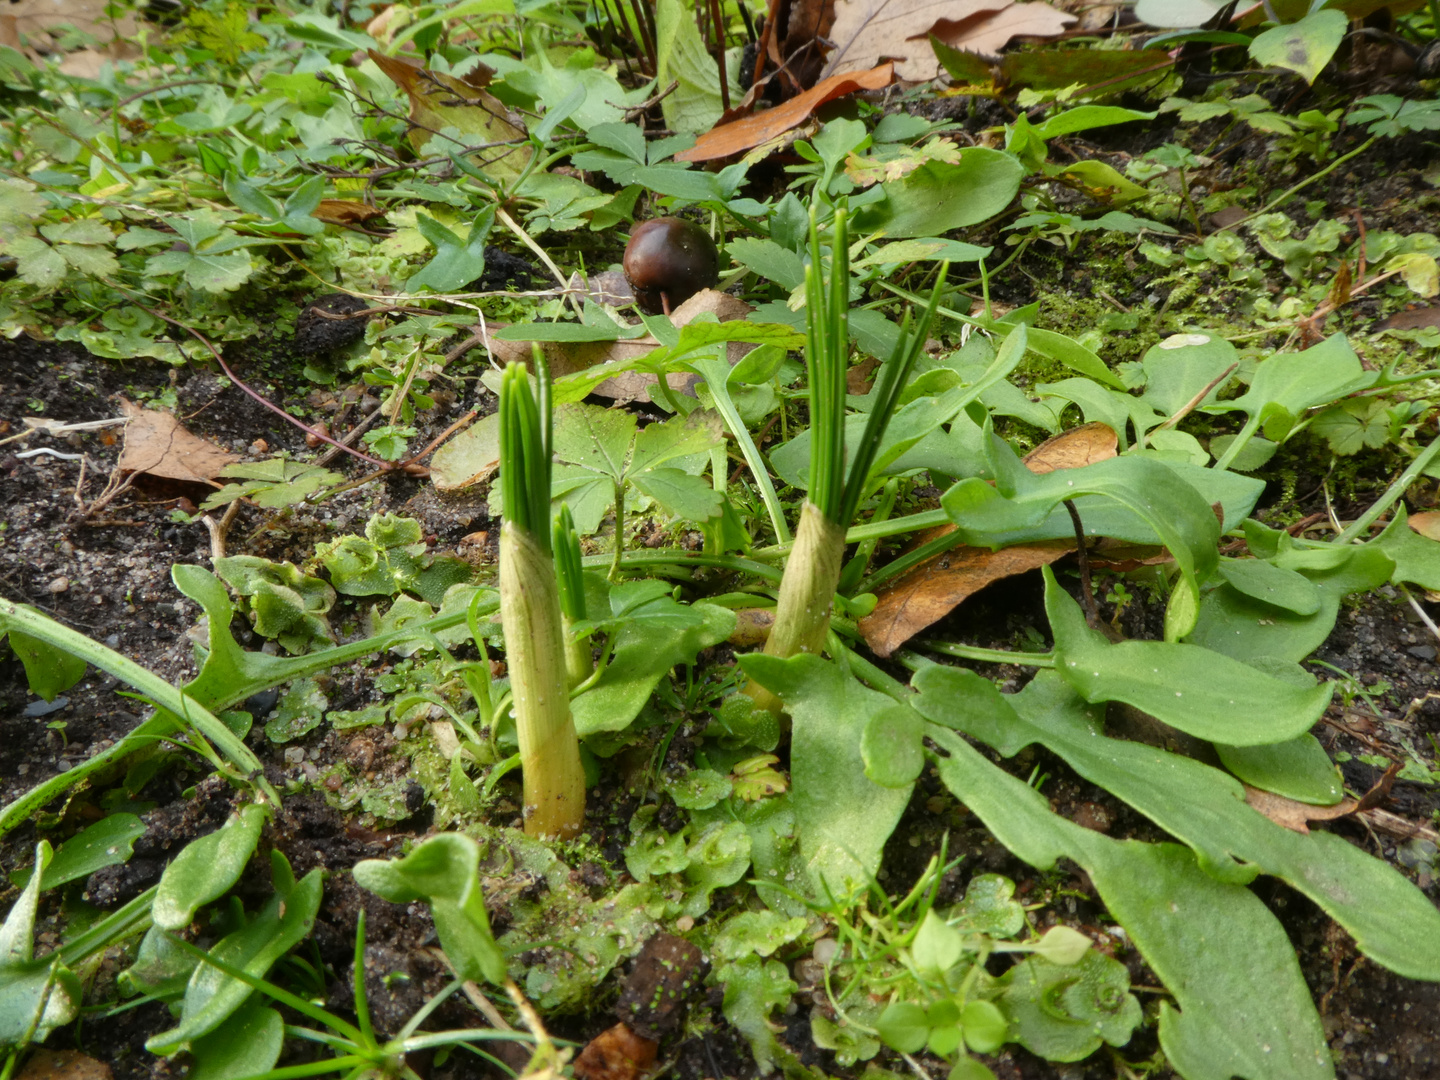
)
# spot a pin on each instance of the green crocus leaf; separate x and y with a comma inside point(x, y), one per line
point(1193, 689)
point(206, 869)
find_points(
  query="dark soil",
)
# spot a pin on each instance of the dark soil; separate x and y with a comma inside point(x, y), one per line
point(104, 570)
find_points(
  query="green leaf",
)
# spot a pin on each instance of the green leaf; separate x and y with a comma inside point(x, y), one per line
point(595, 438)
point(1291, 383)
point(938, 947)
point(1203, 807)
point(1200, 692)
point(1182, 365)
point(903, 1026)
point(249, 1045)
point(1354, 425)
point(108, 842)
point(212, 996)
point(892, 747)
point(682, 58)
point(985, 1026)
point(443, 870)
point(40, 995)
point(680, 436)
point(299, 712)
point(690, 498)
point(1086, 118)
point(699, 789)
point(1062, 945)
point(844, 817)
point(1298, 769)
point(755, 988)
point(645, 651)
point(1417, 558)
point(1063, 1013)
point(768, 259)
point(756, 933)
point(1145, 487)
point(1304, 47)
point(206, 869)
point(939, 197)
point(1271, 584)
point(989, 907)
point(1243, 1005)
point(50, 671)
point(457, 262)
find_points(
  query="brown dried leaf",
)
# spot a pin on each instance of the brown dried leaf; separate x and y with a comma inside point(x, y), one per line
point(655, 996)
point(738, 136)
point(1412, 319)
point(1295, 815)
point(155, 443)
point(438, 101)
point(867, 31)
point(616, 1054)
point(937, 586)
point(344, 212)
point(1083, 445)
point(987, 34)
point(1426, 523)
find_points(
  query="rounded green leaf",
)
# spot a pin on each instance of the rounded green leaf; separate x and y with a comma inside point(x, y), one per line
point(902, 1026)
point(892, 747)
point(986, 1028)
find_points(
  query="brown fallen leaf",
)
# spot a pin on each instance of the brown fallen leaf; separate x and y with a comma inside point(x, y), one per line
point(64, 1065)
point(1412, 319)
point(937, 586)
point(617, 1053)
point(738, 136)
point(1295, 816)
point(438, 100)
point(1426, 523)
point(867, 31)
point(156, 444)
point(345, 212)
point(1083, 445)
point(987, 33)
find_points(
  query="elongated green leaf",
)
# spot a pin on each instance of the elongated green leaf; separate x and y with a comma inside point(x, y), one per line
point(1146, 487)
point(106, 843)
point(212, 996)
point(247, 1046)
point(1298, 769)
point(939, 197)
point(1243, 1006)
point(206, 869)
point(1200, 692)
point(1270, 584)
point(1391, 920)
point(444, 871)
point(844, 816)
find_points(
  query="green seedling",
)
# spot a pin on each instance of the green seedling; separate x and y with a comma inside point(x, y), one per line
point(530, 612)
point(812, 572)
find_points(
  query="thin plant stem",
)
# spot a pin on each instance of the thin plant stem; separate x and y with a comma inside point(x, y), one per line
point(1392, 494)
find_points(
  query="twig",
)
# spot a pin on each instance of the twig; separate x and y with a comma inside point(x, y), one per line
point(322, 436)
point(1420, 611)
point(1092, 612)
point(540, 253)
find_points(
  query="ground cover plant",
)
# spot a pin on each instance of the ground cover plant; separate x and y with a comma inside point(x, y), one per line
point(966, 610)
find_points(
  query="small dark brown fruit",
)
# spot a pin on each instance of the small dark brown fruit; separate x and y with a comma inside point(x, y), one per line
point(668, 261)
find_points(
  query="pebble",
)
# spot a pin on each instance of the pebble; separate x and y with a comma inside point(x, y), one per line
point(59, 585)
point(1422, 652)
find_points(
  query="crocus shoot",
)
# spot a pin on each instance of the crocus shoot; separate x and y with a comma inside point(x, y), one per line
point(530, 612)
point(812, 571)
point(579, 664)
